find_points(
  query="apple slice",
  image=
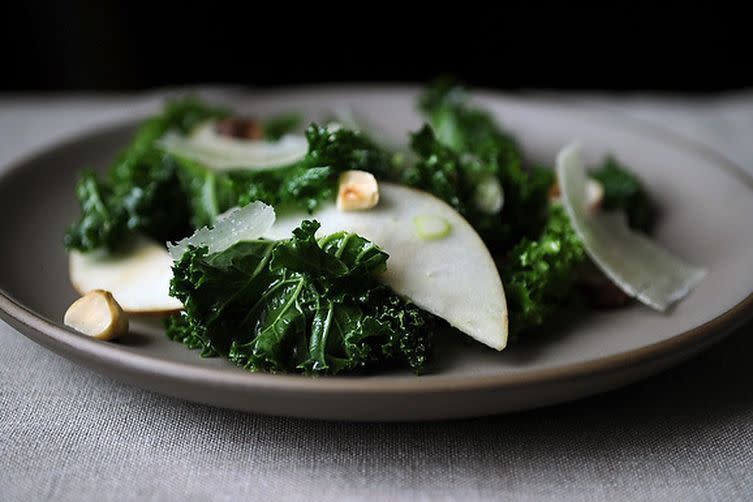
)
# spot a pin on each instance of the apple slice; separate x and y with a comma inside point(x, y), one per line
point(138, 277)
point(436, 258)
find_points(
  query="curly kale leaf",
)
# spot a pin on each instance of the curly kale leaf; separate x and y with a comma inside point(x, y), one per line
point(140, 192)
point(343, 149)
point(624, 191)
point(462, 127)
point(543, 253)
point(457, 176)
point(101, 223)
point(540, 275)
point(164, 197)
point(305, 184)
point(145, 198)
point(453, 177)
point(464, 149)
point(297, 305)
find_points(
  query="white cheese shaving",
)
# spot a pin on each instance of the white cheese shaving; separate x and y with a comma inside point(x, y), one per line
point(237, 224)
point(227, 153)
point(637, 265)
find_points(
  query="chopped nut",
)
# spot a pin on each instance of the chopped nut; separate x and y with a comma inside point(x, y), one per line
point(358, 191)
point(554, 192)
point(594, 194)
point(238, 127)
point(98, 315)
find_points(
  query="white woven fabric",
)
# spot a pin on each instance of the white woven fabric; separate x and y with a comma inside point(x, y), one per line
point(67, 433)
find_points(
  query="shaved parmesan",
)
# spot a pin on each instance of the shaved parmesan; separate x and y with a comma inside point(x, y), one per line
point(237, 224)
point(633, 262)
point(225, 153)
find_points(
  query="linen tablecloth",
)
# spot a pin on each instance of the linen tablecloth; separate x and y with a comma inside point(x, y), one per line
point(67, 433)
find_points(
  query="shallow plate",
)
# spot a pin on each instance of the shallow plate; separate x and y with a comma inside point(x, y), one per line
point(706, 207)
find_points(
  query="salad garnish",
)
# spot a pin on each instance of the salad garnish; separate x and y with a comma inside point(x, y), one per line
point(327, 250)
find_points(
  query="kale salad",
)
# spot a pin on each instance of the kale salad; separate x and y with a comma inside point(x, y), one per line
point(318, 248)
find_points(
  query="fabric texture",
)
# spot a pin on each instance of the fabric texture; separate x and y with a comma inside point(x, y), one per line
point(67, 433)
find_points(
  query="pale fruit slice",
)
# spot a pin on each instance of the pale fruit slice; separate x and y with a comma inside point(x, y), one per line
point(436, 258)
point(638, 266)
point(223, 153)
point(138, 277)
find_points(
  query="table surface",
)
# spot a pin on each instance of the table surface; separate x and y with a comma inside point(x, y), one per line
point(67, 433)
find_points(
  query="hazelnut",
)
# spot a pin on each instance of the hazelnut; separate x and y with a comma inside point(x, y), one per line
point(240, 128)
point(358, 191)
point(98, 315)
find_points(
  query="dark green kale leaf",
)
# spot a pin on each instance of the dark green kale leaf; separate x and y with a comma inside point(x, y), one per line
point(164, 196)
point(540, 275)
point(624, 191)
point(462, 127)
point(344, 149)
point(208, 193)
point(140, 192)
point(465, 148)
point(298, 305)
point(101, 222)
point(452, 177)
point(456, 176)
point(305, 184)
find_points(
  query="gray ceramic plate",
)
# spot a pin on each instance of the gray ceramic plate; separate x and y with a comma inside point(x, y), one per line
point(706, 203)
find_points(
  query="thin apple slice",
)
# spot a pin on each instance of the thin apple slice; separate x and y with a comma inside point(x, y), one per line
point(138, 277)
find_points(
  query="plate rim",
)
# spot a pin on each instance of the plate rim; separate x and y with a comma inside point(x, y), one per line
point(47, 333)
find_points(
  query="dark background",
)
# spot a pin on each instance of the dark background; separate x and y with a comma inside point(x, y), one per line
point(619, 47)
